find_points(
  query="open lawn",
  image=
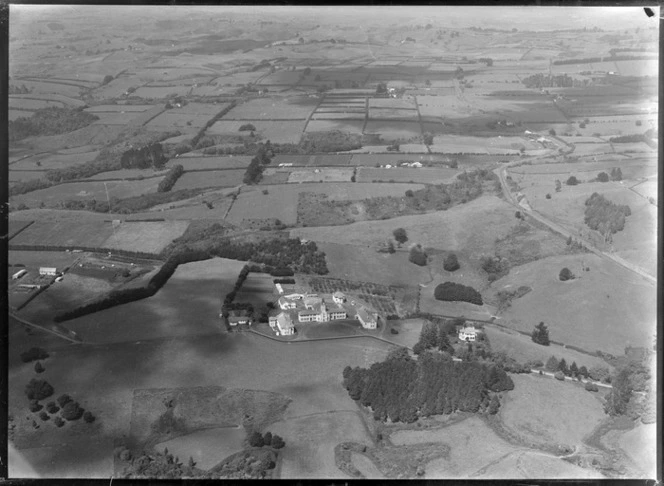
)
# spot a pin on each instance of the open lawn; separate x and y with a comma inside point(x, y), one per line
point(214, 178)
point(145, 236)
point(547, 412)
point(54, 195)
point(607, 308)
point(207, 447)
point(64, 233)
point(322, 175)
point(258, 289)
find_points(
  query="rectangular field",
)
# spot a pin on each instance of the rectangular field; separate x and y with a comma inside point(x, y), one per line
point(321, 175)
point(257, 289)
point(53, 161)
point(88, 190)
point(392, 103)
point(148, 92)
point(392, 113)
point(117, 108)
point(280, 132)
point(393, 130)
point(422, 175)
point(65, 233)
point(296, 108)
point(32, 104)
point(170, 119)
point(213, 178)
point(206, 163)
point(350, 126)
point(145, 236)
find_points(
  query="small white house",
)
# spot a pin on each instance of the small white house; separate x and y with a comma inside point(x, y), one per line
point(50, 271)
point(468, 333)
point(367, 319)
point(416, 164)
point(285, 303)
point(283, 323)
point(338, 297)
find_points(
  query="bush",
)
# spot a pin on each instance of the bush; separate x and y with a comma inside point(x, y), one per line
point(38, 389)
point(451, 292)
point(591, 387)
point(548, 196)
point(64, 399)
point(44, 416)
point(603, 177)
point(34, 406)
point(572, 181)
point(256, 439)
point(417, 256)
point(58, 421)
point(247, 127)
point(559, 375)
point(72, 411)
point(38, 367)
point(451, 263)
point(267, 438)
point(33, 354)
point(393, 331)
point(52, 408)
point(565, 274)
point(170, 178)
point(277, 442)
point(88, 417)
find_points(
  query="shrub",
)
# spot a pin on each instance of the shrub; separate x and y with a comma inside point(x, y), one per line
point(409, 193)
point(591, 387)
point(603, 177)
point(88, 417)
point(277, 442)
point(572, 181)
point(247, 127)
point(38, 367)
point(450, 292)
point(417, 256)
point(548, 196)
point(267, 438)
point(394, 331)
point(34, 406)
point(44, 416)
point(451, 263)
point(64, 399)
point(540, 335)
point(52, 408)
point(565, 274)
point(38, 389)
point(256, 439)
point(559, 375)
point(33, 354)
point(72, 411)
point(58, 421)
point(170, 179)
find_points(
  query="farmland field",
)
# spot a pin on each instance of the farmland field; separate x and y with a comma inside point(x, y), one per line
point(117, 108)
point(31, 104)
point(209, 178)
point(207, 163)
point(208, 447)
point(268, 109)
point(258, 289)
point(625, 297)
point(388, 113)
point(172, 119)
point(280, 132)
point(65, 233)
point(534, 410)
point(145, 236)
point(52, 196)
point(53, 161)
point(393, 130)
point(422, 175)
point(150, 92)
point(351, 126)
point(25, 175)
point(323, 175)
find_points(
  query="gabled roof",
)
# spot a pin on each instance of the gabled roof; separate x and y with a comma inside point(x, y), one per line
point(365, 315)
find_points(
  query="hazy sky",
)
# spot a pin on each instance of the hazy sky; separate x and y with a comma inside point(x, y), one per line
point(523, 18)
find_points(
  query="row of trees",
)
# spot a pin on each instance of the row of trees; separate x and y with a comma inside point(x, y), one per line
point(402, 389)
point(151, 155)
point(255, 169)
point(256, 439)
point(170, 178)
point(453, 292)
point(49, 121)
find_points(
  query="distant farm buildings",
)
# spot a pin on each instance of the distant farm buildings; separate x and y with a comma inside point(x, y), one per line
point(19, 274)
point(282, 324)
point(236, 317)
point(366, 318)
point(338, 297)
point(50, 271)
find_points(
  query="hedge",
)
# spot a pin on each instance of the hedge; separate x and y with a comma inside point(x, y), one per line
point(451, 292)
point(170, 178)
point(123, 296)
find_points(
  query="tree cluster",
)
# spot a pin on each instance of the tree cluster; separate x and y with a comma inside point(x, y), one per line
point(333, 141)
point(573, 371)
point(541, 80)
point(151, 155)
point(452, 292)
point(566, 274)
point(33, 354)
point(170, 178)
point(451, 263)
point(540, 334)
point(49, 121)
point(604, 215)
point(255, 169)
point(496, 267)
point(401, 389)
point(616, 174)
point(435, 335)
point(38, 389)
point(417, 255)
point(256, 439)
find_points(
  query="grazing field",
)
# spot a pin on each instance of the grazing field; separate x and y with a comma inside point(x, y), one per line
point(28, 104)
point(53, 196)
point(393, 103)
point(206, 163)
point(200, 109)
point(58, 259)
point(350, 126)
point(590, 311)
point(458, 144)
point(649, 188)
point(53, 161)
point(546, 412)
point(422, 175)
point(209, 178)
point(65, 233)
point(280, 132)
point(231, 127)
point(639, 444)
point(393, 130)
point(25, 175)
point(271, 108)
point(392, 113)
point(207, 447)
point(172, 119)
point(523, 349)
point(87, 459)
point(145, 236)
point(156, 92)
point(72, 291)
point(118, 108)
point(321, 175)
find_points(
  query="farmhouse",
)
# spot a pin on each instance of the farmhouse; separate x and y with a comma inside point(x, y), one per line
point(285, 303)
point(367, 319)
point(236, 317)
point(468, 333)
point(51, 271)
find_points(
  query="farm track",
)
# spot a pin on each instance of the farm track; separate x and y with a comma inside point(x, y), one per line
point(54, 330)
point(267, 336)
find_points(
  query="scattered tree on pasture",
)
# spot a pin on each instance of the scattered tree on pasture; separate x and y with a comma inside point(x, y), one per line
point(277, 442)
point(38, 389)
point(451, 263)
point(540, 334)
point(603, 177)
point(38, 367)
point(552, 364)
point(565, 274)
point(256, 439)
point(572, 181)
point(400, 235)
point(72, 411)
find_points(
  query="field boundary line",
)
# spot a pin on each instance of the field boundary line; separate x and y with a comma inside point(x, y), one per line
point(9, 237)
point(42, 328)
point(327, 339)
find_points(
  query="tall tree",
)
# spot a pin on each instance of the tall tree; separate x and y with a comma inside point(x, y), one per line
point(540, 334)
point(400, 235)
